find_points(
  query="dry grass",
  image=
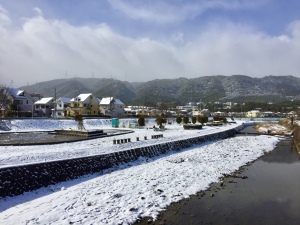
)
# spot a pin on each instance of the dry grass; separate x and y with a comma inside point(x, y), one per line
point(296, 135)
point(290, 128)
point(280, 128)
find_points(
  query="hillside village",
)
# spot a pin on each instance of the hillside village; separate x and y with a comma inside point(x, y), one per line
point(19, 103)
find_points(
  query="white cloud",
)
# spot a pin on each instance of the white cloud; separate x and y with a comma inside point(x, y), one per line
point(178, 37)
point(44, 49)
point(4, 17)
point(162, 11)
point(38, 11)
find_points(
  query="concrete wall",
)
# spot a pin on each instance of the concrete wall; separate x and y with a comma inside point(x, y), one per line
point(19, 179)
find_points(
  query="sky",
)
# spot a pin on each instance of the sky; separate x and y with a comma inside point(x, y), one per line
point(137, 41)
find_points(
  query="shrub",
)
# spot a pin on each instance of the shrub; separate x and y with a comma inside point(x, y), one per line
point(216, 118)
point(178, 119)
point(160, 120)
point(10, 113)
point(202, 119)
point(186, 120)
point(141, 121)
point(194, 119)
point(220, 118)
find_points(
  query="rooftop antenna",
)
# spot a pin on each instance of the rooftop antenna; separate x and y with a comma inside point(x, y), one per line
point(11, 83)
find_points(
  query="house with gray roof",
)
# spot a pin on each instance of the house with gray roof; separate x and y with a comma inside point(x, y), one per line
point(112, 107)
point(44, 106)
point(19, 100)
point(60, 107)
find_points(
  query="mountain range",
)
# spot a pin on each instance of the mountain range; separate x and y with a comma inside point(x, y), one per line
point(235, 88)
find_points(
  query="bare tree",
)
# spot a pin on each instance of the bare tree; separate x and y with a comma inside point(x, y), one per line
point(78, 118)
point(4, 100)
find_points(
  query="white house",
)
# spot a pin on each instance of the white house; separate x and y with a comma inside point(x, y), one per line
point(219, 113)
point(129, 111)
point(112, 107)
point(203, 112)
point(253, 113)
point(44, 106)
point(60, 107)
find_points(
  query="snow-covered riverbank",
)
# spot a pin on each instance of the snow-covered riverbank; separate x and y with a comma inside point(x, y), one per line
point(16, 155)
point(124, 194)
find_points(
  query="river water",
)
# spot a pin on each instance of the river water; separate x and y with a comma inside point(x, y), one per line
point(263, 192)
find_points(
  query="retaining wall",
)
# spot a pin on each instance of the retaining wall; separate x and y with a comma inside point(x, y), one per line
point(23, 178)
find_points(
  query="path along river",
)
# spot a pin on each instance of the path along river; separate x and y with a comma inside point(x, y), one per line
point(263, 192)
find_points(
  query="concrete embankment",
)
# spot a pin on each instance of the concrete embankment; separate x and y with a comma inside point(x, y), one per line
point(16, 180)
point(296, 134)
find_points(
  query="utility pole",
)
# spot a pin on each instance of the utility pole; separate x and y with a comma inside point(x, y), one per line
point(54, 116)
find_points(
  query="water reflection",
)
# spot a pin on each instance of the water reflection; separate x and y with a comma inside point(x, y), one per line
point(285, 153)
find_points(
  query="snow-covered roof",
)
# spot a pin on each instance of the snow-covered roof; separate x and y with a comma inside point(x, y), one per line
point(129, 110)
point(107, 101)
point(44, 101)
point(83, 97)
point(16, 92)
point(20, 92)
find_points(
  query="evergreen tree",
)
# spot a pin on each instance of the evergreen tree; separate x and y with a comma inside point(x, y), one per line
point(141, 121)
point(178, 119)
point(185, 119)
point(194, 119)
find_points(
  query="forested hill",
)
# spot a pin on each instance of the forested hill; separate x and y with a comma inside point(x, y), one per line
point(236, 88)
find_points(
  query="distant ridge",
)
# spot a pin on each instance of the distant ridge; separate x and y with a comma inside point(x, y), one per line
point(236, 88)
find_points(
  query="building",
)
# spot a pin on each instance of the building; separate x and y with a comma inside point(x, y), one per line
point(60, 107)
point(18, 100)
point(84, 104)
point(112, 107)
point(44, 107)
point(219, 113)
point(253, 113)
point(203, 112)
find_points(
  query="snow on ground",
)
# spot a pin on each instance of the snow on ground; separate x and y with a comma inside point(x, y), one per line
point(272, 128)
point(16, 155)
point(125, 193)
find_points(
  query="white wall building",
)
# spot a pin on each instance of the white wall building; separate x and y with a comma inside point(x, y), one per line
point(253, 113)
point(59, 110)
point(44, 106)
point(112, 107)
